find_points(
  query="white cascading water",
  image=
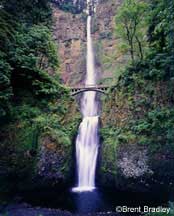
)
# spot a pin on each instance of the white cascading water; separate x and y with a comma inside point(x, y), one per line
point(87, 141)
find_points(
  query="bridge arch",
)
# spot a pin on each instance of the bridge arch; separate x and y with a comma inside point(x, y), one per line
point(83, 88)
point(76, 92)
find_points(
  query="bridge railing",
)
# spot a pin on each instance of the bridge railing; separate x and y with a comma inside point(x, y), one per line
point(89, 86)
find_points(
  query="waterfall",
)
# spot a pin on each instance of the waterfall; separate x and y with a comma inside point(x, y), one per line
point(87, 141)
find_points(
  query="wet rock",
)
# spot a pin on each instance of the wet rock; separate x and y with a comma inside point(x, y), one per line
point(24, 209)
point(29, 211)
point(54, 163)
point(133, 162)
point(48, 212)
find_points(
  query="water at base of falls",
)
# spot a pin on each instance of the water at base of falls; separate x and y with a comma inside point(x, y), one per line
point(87, 141)
point(83, 189)
point(100, 200)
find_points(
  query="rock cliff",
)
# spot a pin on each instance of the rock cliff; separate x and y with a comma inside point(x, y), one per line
point(70, 33)
point(108, 57)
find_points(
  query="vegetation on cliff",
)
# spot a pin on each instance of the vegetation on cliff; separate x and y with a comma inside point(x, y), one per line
point(131, 24)
point(34, 105)
point(71, 6)
point(139, 113)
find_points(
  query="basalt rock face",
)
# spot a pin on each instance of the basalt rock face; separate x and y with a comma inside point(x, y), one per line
point(69, 32)
point(54, 162)
point(108, 57)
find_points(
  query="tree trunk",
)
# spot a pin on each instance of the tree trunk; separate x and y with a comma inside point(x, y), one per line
point(131, 50)
point(140, 48)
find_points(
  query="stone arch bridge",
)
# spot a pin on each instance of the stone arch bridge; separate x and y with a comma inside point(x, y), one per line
point(75, 90)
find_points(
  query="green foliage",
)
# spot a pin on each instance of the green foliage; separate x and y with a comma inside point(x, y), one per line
point(7, 25)
point(30, 11)
point(160, 34)
point(37, 42)
point(5, 88)
point(105, 35)
point(69, 6)
point(131, 27)
point(109, 151)
point(28, 53)
point(33, 54)
point(33, 103)
point(139, 111)
point(32, 122)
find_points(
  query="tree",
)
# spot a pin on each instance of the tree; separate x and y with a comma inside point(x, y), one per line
point(28, 54)
point(32, 56)
point(7, 28)
point(131, 27)
point(5, 88)
point(161, 32)
point(29, 11)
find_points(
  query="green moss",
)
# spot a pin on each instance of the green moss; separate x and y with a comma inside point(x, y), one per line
point(139, 110)
point(22, 136)
point(109, 150)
